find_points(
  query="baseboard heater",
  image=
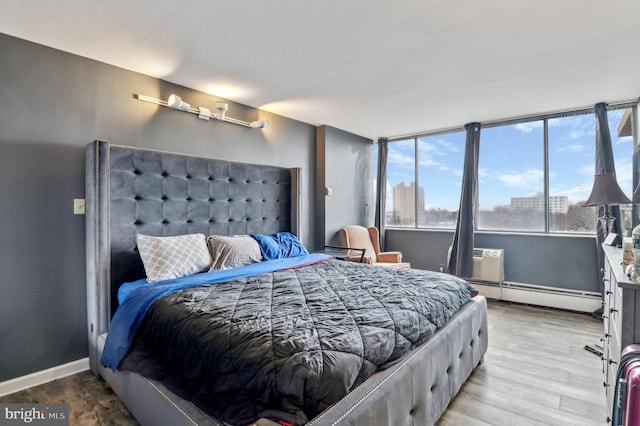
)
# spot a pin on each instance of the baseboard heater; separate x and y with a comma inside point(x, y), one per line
point(553, 297)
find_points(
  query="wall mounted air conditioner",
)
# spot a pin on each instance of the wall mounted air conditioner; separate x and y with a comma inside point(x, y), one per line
point(488, 264)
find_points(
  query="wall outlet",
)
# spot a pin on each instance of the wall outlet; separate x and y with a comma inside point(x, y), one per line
point(78, 206)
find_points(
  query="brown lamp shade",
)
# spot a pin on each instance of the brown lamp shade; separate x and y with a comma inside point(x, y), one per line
point(606, 192)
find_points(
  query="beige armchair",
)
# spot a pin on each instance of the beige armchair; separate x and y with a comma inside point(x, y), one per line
point(357, 236)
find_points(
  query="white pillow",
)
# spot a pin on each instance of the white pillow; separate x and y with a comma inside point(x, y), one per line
point(233, 251)
point(173, 257)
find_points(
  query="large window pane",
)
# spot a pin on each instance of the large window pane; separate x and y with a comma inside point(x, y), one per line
point(440, 163)
point(571, 170)
point(401, 176)
point(623, 157)
point(511, 175)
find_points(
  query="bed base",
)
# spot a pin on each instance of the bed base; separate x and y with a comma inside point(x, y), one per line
point(416, 391)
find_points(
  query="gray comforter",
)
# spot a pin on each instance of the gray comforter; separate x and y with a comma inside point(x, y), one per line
point(289, 344)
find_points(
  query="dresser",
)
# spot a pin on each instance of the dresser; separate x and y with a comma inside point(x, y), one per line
point(621, 317)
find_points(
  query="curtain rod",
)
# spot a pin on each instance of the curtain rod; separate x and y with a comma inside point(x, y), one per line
point(522, 118)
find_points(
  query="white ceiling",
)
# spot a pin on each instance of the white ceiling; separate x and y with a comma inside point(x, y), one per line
point(375, 68)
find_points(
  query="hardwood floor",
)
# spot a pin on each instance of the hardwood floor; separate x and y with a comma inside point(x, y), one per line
point(535, 372)
point(91, 401)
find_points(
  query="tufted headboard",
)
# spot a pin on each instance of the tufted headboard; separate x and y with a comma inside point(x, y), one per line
point(133, 190)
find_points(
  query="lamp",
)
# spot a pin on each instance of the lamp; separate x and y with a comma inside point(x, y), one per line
point(259, 124)
point(222, 110)
point(606, 192)
point(203, 113)
point(176, 102)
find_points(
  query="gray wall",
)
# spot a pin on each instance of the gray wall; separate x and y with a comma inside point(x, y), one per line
point(344, 165)
point(51, 105)
point(550, 260)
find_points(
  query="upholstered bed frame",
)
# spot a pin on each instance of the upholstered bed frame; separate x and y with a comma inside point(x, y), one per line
point(131, 190)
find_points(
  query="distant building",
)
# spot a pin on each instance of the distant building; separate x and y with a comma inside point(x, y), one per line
point(404, 204)
point(557, 203)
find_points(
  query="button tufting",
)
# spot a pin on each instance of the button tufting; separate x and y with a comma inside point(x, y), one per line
point(165, 221)
point(164, 174)
point(137, 198)
point(165, 198)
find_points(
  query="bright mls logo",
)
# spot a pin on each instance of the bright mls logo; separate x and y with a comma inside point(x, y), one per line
point(34, 414)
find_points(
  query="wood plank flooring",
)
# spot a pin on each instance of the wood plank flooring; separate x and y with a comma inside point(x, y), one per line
point(535, 372)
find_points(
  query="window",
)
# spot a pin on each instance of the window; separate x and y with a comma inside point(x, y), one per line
point(435, 163)
point(533, 175)
point(623, 157)
point(511, 178)
point(571, 169)
point(440, 162)
point(401, 178)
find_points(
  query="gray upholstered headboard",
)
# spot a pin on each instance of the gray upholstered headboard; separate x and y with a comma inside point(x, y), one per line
point(132, 190)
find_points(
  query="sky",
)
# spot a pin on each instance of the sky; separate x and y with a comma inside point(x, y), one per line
point(511, 162)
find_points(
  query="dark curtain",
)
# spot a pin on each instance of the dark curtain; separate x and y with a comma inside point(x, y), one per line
point(604, 164)
point(461, 259)
point(381, 188)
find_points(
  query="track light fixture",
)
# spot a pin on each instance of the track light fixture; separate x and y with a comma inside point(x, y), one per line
point(260, 124)
point(222, 110)
point(176, 102)
point(203, 113)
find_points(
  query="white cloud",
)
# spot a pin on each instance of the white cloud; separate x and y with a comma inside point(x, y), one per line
point(397, 158)
point(577, 193)
point(429, 150)
point(529, 126)
point(580, 133)
point(586, 170)
point(624, 140)
point(572, 148)
point(529, 179)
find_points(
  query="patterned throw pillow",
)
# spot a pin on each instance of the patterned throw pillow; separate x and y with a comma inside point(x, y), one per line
point(173, 257)
point(233, 251)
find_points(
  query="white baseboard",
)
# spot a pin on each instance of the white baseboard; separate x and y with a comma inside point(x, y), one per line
point(44, 376)
point(574, 300)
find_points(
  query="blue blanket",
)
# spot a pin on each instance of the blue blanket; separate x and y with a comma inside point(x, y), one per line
point(132, 310)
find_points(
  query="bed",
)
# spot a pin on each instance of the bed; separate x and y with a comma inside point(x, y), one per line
point(132, 191)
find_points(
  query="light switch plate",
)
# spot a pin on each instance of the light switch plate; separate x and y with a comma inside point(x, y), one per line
point(78, 206)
